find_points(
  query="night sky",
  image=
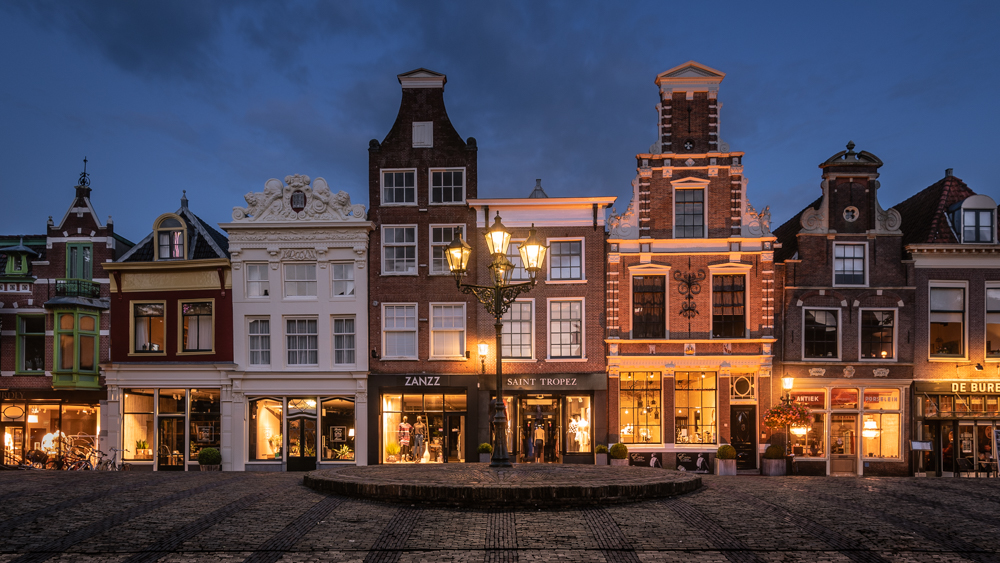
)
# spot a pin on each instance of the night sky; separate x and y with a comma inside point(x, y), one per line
point(217, 97)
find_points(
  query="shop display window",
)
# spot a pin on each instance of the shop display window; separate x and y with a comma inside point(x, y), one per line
point(880, 435)
point(578, 424)
point(695, 405)
point(265, 430)
point(885, 399)
point(418, 429)
point(639, 403)
point(172, 401)
point(205, 421)
point(810, 442)
point(338, 439)
point(137, 425)
point(844, 398)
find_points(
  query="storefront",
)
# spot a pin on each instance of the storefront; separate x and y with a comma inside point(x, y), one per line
point(300, 433)
point(959, 419)
point(46, 427)
point(166, 428)
point(424, 419)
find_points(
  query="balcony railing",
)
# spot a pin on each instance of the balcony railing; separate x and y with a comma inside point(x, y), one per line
point(77, 288)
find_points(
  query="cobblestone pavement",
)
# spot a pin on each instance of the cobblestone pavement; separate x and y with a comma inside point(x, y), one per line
point(187, 517)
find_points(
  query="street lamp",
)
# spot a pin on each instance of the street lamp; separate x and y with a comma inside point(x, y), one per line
point(497, 299)
point(484, 349)
point(787, 383)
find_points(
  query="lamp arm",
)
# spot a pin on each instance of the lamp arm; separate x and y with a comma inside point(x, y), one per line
point(487, 295)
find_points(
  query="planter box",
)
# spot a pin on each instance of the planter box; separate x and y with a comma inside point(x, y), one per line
point(772, 467)
point(725, 466)
point(210, 467)
point(485, 458)
point(619, 461)
point(601, 459)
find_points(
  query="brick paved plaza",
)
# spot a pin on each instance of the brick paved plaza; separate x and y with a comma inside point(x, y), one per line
point(182, 517)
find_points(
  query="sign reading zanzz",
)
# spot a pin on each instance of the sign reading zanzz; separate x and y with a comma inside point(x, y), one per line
point(431, 380)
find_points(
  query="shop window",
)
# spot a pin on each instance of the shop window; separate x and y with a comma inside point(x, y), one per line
point(447, 186)
point(197, 326)
point(848, 264)
point(729, 306)
point(257, 280)
point(441, 237)
point(877, 330)
point(343, 341)
point(398, 187)
point(810, 441)
point(170, 238)
point(947, 322)
point(422, 428)
point(148, 323)
point(44, 435)
point(695, 404)
point(77, 335)
point(993, 322)
point(448, 331)
point(649, 317)
point(639, 407)
point(881, 399)
point(264, 430)
point(31, 343)
point(205, 421)
point(566, 260)
point(820, 338)
point(565, 329)
point(880, 435)
point(399, 330)
point(689, 213)
point(343, 279)
point(78, 262)
point(518, 331)
point(578, 422)
point(260, 342)
point(302, 342)
point(171, 401)
point(399, 250)
point(137, 423)
point(338, 429)
point(514, 256)
point(300, 280)
point(841, 398)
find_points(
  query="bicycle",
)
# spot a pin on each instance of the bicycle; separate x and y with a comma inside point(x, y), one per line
point(112, 464)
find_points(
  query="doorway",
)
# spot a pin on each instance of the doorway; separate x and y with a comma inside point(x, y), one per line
point(843, 443)
point(170, 444)
point(455, 438)
point(302, 443)
point(538, 418)
point(13, 443)
point(744, 436)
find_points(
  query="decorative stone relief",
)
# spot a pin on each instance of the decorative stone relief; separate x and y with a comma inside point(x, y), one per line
point(735, 169)
point(298, 254)
point(817, 220)
point(727, 348)
point(361, 398)
point(114, 393)
point(613, 349)
point(756, 224)
point(881, 372)
point(817, 372)
point(886, 221)
point(318, 203)
point(765, 349)
point(626, 225)
point(652, 349)
point(689, 162)
point(689, 348)
point(849, 371)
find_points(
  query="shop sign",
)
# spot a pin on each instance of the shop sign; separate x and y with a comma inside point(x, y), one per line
point(814, 399)
point(646, 459)
point(881, 399)
point(959, 387)
point(556, 382)
point(423, 380)
point(694, 462)
point(12, 395)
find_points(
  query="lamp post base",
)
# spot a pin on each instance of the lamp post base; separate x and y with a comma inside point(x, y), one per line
point(500, 456)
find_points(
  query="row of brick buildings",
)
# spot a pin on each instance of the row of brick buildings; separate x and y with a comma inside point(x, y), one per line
point(317, 332)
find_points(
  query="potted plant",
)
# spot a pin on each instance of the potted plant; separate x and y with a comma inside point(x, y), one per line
point(602, 454)
point(774, 461)
point(209, 459)
point(619, 454)
point(392, 453)
point(725, 460)
point(142, 450)
point(344, 452)
point(485, 452)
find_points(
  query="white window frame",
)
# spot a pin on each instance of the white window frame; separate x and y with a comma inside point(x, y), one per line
point(431, 245)
point(415, 245)
point(986, 311)
point(381, 183)
point(430, 185)
point(532, 337)
point(514, 255)
point(689, 183)
point(840, 335)
point(415, 330)
point(266, 281)
point(866, 264)
point(285, 281)
point(965, 321)
point(583, 261)
point(286, 348)
point(895, 334)
point(583, 329)
point(250, 337)
point(334, 280)
point(650, 270)
point(333, 340)
point(463, 332)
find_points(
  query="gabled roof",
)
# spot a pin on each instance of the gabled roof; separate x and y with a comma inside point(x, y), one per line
point(688, 72)
point(925, 214)
point(786, 234)
point(204, 242)
point(422, 78)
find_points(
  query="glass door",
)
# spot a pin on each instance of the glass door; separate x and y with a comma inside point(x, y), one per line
point(844, 443)
point(13, 443)
point(539, 426)
point(170, 444)
point(455, 438)
point(302, 444)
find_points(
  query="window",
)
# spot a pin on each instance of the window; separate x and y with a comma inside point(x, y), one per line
point(689, 213)
point(649, 317)
point(257, 284)
point(441, 237)
point(76, 334)
point(149, 324)
point(400, 331)
point(729, 306)
point(977, 225)
point(849, 264)
point(820, 339)
point(300, 280)
point(260, 342)
point(448, 331)
point(566, 260)
point(877, 331)
point(170, 238)
point(577, 420)
point(137, 421)
point(517, 336)
point(302, 342)
point(993, 322)
point(447, 186)
point(880, 429)
point(343, 279)
point(264, 430)
point(399, 250)
point(639, 408)
point(78, 263)
point(947, 320)
point(566, 329)
point(338, 437)
point(205, 420)
point(398, 187)
point(196, 326)
point(694, 403)
point(514, 255)
point(31, 343)
point(343, 341)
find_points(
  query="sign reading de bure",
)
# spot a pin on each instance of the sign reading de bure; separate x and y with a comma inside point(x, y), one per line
point(958, 387)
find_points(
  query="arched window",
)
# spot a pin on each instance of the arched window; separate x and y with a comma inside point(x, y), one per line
point(170, 238)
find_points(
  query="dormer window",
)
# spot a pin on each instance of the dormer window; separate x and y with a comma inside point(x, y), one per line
point(170, 239)
point(977, 225)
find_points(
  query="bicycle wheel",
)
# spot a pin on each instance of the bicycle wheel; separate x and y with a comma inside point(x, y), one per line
point(126, 467)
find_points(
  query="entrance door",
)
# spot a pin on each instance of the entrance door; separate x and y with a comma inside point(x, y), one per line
point(539, 424)
point(13, 443)
point(744, 436)
point(169, 444)
point(302, 444)
point(455, 438)
point(844, 443)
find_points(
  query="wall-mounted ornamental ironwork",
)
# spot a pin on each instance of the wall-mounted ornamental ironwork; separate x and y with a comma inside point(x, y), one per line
point(689, 285)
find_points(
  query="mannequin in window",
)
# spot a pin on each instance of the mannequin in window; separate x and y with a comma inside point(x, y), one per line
point(404, 439)
point(419, 439)
point(539, 441)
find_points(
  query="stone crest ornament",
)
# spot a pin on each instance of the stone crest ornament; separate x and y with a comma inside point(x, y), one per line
point(851, 214)
point(298, 199)
point(817, 372)
point(849, 371)
point(881, 372)
point(626, 225)
point(756, 224)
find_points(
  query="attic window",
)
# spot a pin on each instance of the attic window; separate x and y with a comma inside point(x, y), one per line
point(169, 239)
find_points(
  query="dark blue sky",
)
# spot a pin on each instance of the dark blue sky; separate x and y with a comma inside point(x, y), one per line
point(218, 97)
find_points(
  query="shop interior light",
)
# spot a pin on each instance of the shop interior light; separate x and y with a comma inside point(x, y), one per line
point(350, 433)
point(32, 419)
point(800, 430)
point(870, 429)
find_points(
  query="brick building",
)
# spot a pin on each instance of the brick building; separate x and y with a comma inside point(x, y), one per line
point(690, 318)
point(53, 309)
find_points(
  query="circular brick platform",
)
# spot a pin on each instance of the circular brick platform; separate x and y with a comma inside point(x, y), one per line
point(476, 485)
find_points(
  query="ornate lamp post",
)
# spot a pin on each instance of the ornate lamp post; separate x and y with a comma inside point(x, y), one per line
point(787, 383)
point(497, 299)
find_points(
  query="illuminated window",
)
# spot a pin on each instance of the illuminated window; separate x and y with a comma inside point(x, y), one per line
point(877, 329)
point(170, 238)
point(148, 323)
point(639, 405)
point(694, 406)
point(197, 326)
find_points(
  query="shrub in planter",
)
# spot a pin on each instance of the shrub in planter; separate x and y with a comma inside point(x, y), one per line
point(209, 459)
point(774, 452)
point(726, 452)
point(485, 452)
point(619, 454)
point(601, 455)
point(774, 461)
point(725, 460)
